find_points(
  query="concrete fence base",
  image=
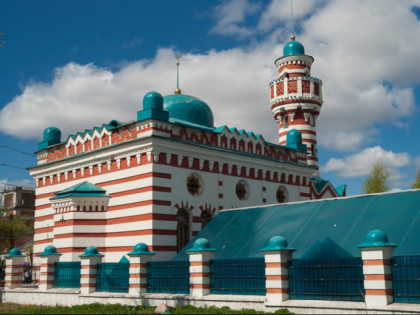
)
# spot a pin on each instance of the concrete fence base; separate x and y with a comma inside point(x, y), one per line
point(70, 297)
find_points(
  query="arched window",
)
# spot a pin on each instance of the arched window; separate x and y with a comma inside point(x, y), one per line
point(281, 195)
point(182, 229)
point(286, 121)
point(205, 218)
point(313, 150)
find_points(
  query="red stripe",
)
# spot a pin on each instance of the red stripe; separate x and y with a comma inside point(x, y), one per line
point(136, 177)
point(141, 190)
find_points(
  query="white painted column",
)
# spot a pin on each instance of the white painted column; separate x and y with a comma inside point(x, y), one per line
point(376, 255)
point(14, 268)
point(139, 258)
point(276, 255)
point(200, 256)
point(90, 259)
point(48, 258)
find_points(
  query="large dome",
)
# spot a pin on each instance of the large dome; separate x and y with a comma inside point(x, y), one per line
point(189, 109)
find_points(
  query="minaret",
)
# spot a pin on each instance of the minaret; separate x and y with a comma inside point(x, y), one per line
point(296, 97)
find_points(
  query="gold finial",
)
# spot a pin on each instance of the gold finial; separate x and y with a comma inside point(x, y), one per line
point(177, 90)
point(293, 37)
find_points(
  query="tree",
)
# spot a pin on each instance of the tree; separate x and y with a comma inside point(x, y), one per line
point(416, 183)
point(12, 227)
point(377, 180)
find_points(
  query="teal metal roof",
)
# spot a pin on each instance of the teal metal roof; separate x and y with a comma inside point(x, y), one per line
point(84, 189)
point(188, 108)
point(243, 233)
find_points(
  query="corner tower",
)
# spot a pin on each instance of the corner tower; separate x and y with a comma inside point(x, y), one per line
point(296, 97)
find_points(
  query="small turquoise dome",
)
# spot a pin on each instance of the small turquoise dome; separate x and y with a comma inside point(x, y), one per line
point(141, 249)
point(294, 137)
point(91, 251)
point(293, 48)
point(50, 250)
point(52, 135)
point(376, 238)
point(200, 245)
point(277, 242)
point(189, 109)
point(153, 100)
point(15, 252)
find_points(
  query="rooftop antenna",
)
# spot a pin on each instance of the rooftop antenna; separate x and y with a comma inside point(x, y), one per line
point(293, 37)
point(177, 90)
point(2, 42)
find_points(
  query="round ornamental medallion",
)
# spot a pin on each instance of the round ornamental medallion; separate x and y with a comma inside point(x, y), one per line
point(193, 185)
point(242, 190)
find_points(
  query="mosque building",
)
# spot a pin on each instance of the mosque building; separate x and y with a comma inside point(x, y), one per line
point(161, 178)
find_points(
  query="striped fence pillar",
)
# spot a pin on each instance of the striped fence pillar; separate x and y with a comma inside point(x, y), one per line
point(90, 259)
point(276, 255)
point(48, 258)
point(200, 256)
point(139, 258)
point(14, 268)
point(376, 255)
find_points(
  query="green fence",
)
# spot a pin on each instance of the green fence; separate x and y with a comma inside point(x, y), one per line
point(237, 276)
point(67, 274)
point(406, 279)
point(332, 279)
point(113, 277)
point(168, 277)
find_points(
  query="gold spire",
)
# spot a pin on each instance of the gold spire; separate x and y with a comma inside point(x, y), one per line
point(177, 90)
point(293, 37)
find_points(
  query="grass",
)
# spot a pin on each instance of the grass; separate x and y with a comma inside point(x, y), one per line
point(10, 308)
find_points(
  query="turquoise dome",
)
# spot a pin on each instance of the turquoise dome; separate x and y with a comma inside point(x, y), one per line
point(15, 252)
point(91, 251)
point(50, 250)
point(293, 48)
point(376, 238)
point(140, 249)
point(277, 242)
point(189, 109)
point(52, 135)
point(201, 245)
point(153, 100)
point(294, 137)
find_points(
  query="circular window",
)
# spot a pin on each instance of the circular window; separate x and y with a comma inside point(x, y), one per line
point(194, 184)
point(242, 190)
point(281, 195)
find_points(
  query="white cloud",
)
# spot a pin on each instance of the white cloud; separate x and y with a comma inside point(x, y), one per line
point(365, 53)
point(6, 183)
point(231, 15)
point(361, 163)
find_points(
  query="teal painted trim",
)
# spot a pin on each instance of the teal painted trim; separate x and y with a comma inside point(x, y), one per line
point(377, 244)
point(91, 255)
point(79, 195)
point(10, 256)
point(134, 253)
point(50, 254)
point(189, 124)
point(153, 113)
point(340, 190)
point(195, 250)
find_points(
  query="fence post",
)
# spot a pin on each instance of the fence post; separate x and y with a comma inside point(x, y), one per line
point(276, 255)
point(376, 255)
point(138, 268)
point(200, 256)
point(14, 268)
point(48, 258)
point(90, 259)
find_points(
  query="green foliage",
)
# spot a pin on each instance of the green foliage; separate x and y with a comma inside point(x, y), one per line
point(11, 228)
point(96, 308)
point(416, 183)
point(377, 180)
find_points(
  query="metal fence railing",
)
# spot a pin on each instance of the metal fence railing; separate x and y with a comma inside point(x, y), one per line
point(168, 277)
point(67, 274)
point(113, 277)
point(406, 279)
point(332, 279)
point(237, 276)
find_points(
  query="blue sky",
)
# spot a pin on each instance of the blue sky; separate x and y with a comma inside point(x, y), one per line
point(78, 64)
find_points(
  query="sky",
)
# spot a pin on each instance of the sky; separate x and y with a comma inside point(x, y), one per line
point(78, 64)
